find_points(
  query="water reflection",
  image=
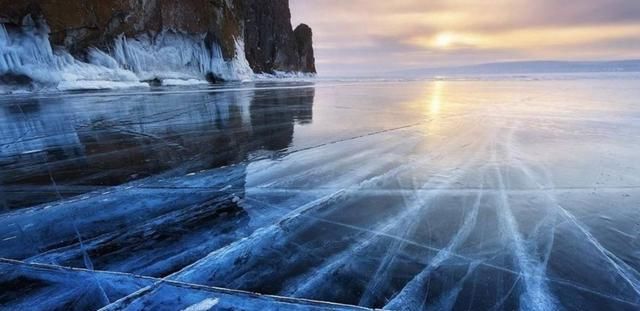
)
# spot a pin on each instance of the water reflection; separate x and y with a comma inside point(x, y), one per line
point(273, 123)
point(65, 146)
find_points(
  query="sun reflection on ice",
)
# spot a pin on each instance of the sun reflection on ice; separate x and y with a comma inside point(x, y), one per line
point(436, 99)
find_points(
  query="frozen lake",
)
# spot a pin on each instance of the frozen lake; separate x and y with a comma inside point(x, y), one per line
point(496, 194)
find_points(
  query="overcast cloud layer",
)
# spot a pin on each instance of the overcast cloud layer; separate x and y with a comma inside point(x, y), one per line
point(355, 37)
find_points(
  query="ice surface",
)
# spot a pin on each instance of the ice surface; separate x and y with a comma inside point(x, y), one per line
point(489, 194)
point(49, 287)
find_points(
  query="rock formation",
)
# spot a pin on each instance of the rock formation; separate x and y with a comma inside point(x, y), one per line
point(304, 43)
point(270, 42)
point(81, 26)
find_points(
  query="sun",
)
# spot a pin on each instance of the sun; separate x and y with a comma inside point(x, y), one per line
point(443, 40)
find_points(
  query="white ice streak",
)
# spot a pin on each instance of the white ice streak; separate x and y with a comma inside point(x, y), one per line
point(218, 261)
point(628, 273)
point(448, 299)
point(381, 276)
point(413, 295)
point(306, 284)
point(536, 295)
point(422, 200)
point(265, 237)
point(204, 305)
point(346, 165)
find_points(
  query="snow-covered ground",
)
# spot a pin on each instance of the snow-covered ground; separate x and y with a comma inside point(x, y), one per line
point(462, 194)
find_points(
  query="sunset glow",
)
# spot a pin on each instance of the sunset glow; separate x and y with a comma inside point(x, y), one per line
point(444, 40)
point(365, 36)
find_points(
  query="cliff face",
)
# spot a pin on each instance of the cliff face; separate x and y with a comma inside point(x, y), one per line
point(304, 44)
point(270, 42)
point(263, 25)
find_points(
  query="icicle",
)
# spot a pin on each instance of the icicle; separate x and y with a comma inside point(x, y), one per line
point(167, 56)
point(4, 36)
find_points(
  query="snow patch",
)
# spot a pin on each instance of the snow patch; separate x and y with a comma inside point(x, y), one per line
point(98, 85)
point(180, 82)
point(280, 75)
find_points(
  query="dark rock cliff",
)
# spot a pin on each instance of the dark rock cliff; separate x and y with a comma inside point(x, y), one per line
point(264, 25)
point(270, 42)
point(304, 43)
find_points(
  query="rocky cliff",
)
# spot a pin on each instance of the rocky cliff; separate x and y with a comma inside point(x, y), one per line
point(270, 42)
point(260, 30)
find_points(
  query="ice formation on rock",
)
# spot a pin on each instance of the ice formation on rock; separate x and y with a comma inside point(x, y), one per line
point(26, 53)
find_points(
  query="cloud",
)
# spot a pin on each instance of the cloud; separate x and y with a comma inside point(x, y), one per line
point(390, 35)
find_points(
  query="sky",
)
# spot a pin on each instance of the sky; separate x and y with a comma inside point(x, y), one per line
point(357, 37)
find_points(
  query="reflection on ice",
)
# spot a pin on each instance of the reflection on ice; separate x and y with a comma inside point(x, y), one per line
point(443, 195)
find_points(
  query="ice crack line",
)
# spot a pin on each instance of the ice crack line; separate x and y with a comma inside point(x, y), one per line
point(628, 273)
point(537, 295)
point(413, 295)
